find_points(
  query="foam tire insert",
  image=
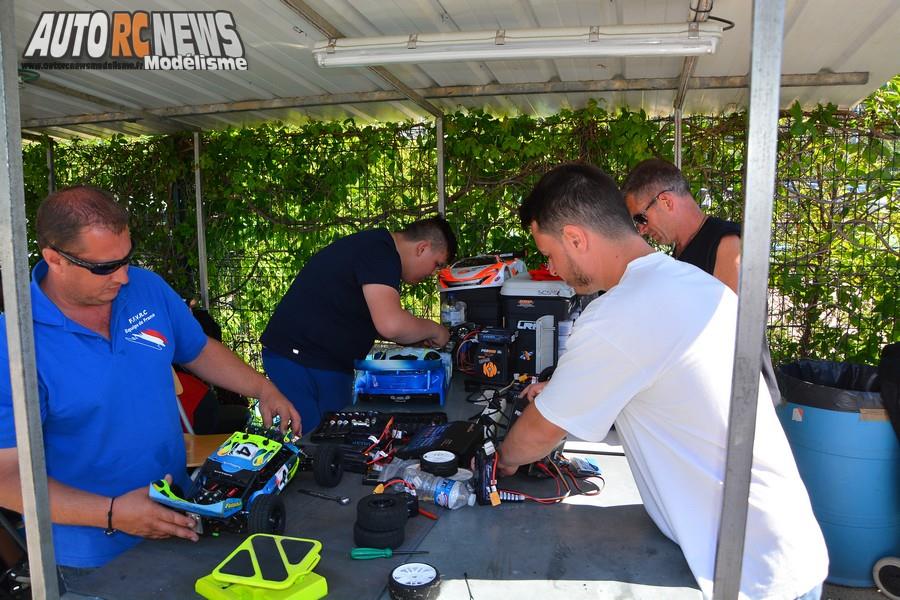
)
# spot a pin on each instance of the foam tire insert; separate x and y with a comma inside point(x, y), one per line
point(378, 539)
point(382, 512)
point(414, 581)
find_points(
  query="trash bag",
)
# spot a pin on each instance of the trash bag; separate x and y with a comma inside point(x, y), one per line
point(830, 385)
point(889, 375)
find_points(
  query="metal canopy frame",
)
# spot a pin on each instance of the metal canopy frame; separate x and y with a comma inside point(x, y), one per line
point(768, 22)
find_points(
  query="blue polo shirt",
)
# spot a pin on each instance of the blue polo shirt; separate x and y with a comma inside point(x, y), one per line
point(110, 420)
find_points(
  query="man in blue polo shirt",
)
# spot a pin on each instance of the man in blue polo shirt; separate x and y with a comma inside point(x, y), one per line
point(106, 335)
point(345, 296)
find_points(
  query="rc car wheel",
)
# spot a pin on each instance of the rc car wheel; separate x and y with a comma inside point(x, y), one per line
point(414, 581)
point(382, 512)
point(887, 576)
point(267, 515)
point(328, 465)
point(378, 539)
point(439, 462)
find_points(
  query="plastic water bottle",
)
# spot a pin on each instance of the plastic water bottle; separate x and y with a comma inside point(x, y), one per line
point(441, 491)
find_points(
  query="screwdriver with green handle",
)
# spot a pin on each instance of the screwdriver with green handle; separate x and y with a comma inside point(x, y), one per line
point(367, 553)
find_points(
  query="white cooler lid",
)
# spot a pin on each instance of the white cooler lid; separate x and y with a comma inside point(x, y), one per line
point(524, 285)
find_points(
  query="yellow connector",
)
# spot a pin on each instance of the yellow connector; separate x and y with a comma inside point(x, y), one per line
point(379, 489)
point(495, 498)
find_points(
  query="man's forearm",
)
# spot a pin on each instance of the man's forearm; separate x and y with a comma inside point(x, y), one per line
point(531, 438)
point(220, 366)
point(68, 505)
point(415, 330)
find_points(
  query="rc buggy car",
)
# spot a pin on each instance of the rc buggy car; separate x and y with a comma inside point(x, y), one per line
point(488, 270)
point(237, 487)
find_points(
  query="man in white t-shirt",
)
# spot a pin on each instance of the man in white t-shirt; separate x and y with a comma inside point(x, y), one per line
point(654, 356)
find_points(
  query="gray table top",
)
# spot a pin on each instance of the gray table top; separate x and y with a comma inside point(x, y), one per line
point(587, 547)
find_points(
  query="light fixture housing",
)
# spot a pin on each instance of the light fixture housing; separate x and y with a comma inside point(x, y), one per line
point(665, 39)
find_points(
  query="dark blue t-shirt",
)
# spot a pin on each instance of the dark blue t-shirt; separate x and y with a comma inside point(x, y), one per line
point(323, 321)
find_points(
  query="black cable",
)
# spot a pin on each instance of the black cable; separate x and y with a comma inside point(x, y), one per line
point(721, 20)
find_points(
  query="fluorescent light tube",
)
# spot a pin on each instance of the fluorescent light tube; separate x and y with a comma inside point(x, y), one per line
point(669, 39)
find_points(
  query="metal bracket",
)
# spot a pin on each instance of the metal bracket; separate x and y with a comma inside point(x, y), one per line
point(500, 37)
point(594, 35)
point(332, 42)
point(693, 30)
point(412, 41)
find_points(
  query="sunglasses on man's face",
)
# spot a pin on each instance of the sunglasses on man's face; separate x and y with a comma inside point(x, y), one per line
point(97, 268)
point(640, 219)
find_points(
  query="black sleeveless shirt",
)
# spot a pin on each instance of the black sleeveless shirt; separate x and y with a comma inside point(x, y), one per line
point(701, 250)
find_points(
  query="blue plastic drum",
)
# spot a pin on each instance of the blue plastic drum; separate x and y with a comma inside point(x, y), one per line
point(849, 459)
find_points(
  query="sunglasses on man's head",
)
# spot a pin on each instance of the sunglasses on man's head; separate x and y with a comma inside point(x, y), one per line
point(640, 218)
point(97, 268)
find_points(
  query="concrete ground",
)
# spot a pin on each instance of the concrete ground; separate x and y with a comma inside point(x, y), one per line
point(839, 592)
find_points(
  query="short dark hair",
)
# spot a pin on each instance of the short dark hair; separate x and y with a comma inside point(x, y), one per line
point(654, 175)
point(435, 230)
point(581, 194)
point(63, 215)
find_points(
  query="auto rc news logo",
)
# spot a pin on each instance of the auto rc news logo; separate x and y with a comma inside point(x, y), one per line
point(157, 41)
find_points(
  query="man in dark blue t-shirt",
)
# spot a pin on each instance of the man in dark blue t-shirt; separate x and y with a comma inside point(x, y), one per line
point(347, 295)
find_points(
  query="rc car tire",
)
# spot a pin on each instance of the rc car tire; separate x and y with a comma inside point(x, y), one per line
point(328, 465)
point(267, 515)
point(887, 576)
point(414, 581)
point(442, 463)
point(382, 512)
point(377, 539)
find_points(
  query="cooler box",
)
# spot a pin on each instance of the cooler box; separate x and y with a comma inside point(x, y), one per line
point(535, 309)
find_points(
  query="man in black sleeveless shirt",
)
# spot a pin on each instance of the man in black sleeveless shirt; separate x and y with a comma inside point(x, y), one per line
point(660, 202)
point(344, 297)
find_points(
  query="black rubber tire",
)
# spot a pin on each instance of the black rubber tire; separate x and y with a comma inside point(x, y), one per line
point(267, 515)
point(328, 465)
point(378, 539)
point(886, 573)
point(414, 581)
point(382, 512)
point(442, 463)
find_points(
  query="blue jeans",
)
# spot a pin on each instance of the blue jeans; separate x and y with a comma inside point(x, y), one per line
point(313, 391)
point(813, 594)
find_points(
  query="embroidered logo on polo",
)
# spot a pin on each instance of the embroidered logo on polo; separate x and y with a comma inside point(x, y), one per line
point(149, 338)
point(137, 333)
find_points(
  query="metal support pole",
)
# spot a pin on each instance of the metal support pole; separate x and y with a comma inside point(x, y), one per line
point(762, 137)
point(442, 196)
point(19, 331)
point(201, 227)
point(51, 169)
point(678, 133)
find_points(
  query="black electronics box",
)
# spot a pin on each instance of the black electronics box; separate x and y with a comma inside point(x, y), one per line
point(459, 437)
point(524, 302)
point(483, 306)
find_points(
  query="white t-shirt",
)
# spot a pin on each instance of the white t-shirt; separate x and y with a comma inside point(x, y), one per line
point(655, 355)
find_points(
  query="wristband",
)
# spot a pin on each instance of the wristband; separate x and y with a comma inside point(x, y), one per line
point(109, 528)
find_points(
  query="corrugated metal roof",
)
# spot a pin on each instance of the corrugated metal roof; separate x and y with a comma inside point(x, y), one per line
point(820, 36)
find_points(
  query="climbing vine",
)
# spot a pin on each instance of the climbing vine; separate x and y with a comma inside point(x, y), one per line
point(275, 194)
